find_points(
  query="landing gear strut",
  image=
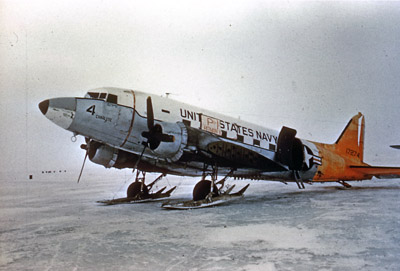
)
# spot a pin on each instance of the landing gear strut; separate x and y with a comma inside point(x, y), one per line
point(298, 180)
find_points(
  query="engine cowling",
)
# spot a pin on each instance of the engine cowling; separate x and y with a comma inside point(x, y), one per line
point(110, 157)
point(102, 154)
point(172, 151)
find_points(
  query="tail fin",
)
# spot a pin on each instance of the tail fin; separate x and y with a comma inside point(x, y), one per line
point(350, 143)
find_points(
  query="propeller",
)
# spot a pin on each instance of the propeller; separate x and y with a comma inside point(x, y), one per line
point(155, 134)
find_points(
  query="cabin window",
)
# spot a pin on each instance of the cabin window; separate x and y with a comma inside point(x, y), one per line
point(103, 95)
point(112, 98)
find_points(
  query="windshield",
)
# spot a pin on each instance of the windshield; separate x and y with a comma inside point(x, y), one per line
point(111, 98)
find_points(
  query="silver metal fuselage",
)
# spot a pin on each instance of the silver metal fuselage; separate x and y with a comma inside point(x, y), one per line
point(119, 126)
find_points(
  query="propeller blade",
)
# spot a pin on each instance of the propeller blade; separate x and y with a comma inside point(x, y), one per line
point(150, 114)
point(83, 165)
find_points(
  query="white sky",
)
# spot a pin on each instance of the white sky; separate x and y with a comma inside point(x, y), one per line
point(306, 65)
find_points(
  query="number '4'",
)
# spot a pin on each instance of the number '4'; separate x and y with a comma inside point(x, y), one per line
point(91, 109)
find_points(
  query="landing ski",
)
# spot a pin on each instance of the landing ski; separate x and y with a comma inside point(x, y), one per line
point(140, 198)
point(207, 202)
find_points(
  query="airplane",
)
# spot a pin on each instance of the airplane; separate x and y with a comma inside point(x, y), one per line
point(125, 128)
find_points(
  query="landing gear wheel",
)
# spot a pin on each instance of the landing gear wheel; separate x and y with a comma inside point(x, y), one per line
point(202, 189)
point(135, 189)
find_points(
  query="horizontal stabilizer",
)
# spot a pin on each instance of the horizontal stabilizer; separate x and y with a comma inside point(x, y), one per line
point(379, 172)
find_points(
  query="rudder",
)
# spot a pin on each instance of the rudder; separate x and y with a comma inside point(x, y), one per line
point(350, 143)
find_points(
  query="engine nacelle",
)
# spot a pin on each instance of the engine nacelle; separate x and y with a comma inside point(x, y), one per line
point(172, 151)
point(102, 154)
point(112, 157)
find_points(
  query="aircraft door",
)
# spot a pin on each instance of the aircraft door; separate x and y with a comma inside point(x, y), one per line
point(290, 149)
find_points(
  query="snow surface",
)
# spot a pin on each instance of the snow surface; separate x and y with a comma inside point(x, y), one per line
point(53, 223)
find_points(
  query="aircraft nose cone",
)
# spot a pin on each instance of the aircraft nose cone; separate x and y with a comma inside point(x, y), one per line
point(43, 106)
point(61, 111)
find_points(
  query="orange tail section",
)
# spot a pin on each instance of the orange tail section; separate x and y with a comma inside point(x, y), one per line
point(350, 144)
point(347, 150)
point(344, 160)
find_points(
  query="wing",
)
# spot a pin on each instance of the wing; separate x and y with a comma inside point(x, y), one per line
point(242, 155)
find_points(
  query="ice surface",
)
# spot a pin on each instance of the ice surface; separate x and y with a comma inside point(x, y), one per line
point(56, 224)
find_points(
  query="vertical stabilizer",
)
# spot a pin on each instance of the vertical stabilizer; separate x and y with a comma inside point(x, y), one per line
point(350, 143)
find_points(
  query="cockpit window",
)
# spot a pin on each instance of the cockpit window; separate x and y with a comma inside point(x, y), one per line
point(93, 95)
point(112, 98)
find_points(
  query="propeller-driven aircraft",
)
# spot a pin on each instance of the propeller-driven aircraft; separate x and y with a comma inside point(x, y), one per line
point(130, 129)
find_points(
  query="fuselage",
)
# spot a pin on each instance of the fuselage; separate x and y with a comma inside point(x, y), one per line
point(113, 121)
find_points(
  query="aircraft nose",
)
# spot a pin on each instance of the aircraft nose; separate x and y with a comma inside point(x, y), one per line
point(43, 106)
point(61, 111)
